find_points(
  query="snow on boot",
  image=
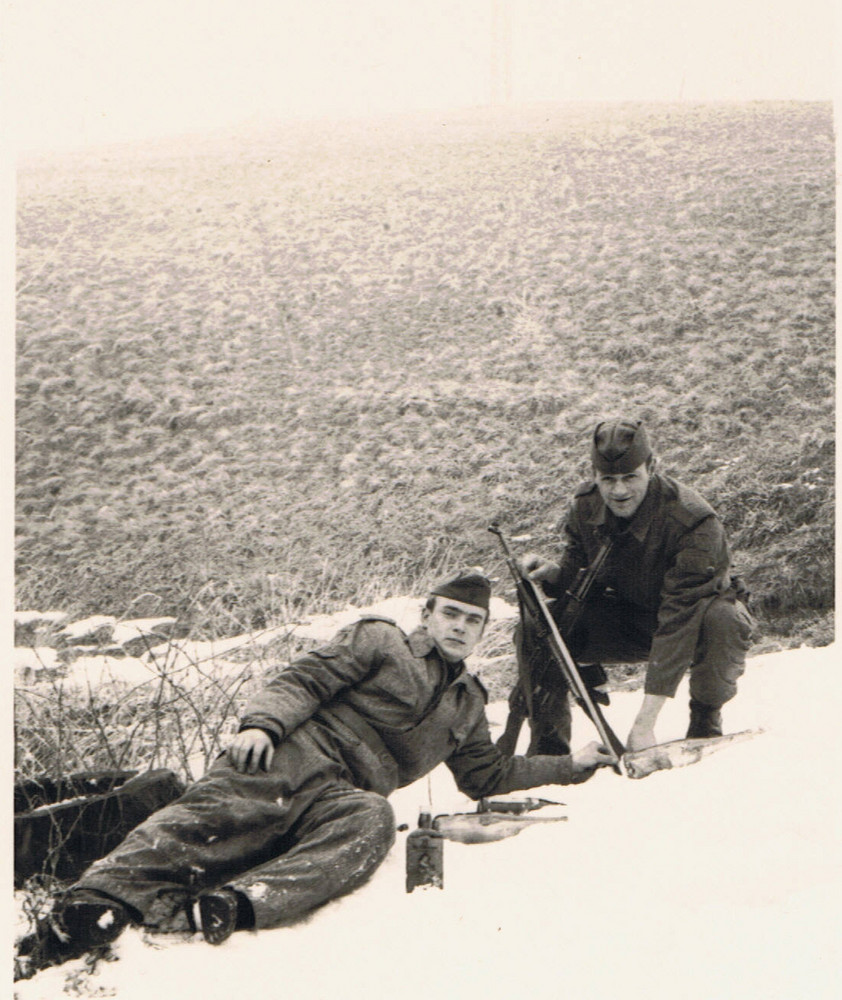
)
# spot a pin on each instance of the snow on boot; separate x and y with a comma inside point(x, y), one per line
point(705, 721)
point(74, 927)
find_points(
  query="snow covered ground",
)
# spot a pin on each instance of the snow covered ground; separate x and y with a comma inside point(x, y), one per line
point(717, 881)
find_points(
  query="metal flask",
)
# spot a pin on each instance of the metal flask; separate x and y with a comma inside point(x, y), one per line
point(424, 855)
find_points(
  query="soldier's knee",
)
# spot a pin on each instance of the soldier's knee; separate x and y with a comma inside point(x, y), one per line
point(721, 656)
point(729, 622)
point(719, 613)
point(715, 684)
point(380, 821)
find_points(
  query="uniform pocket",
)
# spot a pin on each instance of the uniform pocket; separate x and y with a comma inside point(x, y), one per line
point(749, 629)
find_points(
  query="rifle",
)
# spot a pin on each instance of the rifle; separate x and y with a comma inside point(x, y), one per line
point(572, 607)
point(532, 599)
point(576, 595)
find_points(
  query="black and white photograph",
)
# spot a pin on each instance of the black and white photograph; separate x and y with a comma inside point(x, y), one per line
point(422, 518)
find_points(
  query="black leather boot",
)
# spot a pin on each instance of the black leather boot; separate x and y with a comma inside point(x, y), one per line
point(77, 924)
point(594, 676)
point(223, 912)
point(705, 721)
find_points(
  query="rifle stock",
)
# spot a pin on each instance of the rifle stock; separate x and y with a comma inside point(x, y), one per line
point(533, 599)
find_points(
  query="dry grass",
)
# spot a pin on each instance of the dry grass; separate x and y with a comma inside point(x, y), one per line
point(270, 371)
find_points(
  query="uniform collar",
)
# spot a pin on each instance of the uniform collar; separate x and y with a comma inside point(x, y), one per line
point(421, 644)
point(640, 523)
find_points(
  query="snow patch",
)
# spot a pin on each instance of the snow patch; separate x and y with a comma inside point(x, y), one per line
point(22, 618)
point(32, 659)
point(404, 611)
point(89, 673)
point(717, 881)
point(94, 625)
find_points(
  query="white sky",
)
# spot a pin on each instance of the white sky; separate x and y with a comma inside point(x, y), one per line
point(87, 71)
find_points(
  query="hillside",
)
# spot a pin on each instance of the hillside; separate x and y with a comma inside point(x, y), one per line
point(298, 368)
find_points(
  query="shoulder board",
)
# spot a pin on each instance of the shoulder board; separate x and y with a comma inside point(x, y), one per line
point(378, 618)
point(481, 686)
point(688, 507)
point(583, 489)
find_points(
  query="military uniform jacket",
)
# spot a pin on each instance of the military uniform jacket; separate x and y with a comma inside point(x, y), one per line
point(671, 559)
point(392, 708)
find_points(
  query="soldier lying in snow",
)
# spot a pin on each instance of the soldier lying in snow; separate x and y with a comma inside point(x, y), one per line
point(295, 812)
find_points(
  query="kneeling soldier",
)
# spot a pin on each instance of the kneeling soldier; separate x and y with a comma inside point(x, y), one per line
point(664, 595)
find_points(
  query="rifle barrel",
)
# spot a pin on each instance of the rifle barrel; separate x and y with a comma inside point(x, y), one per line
point(580, 689)
point(535, 596)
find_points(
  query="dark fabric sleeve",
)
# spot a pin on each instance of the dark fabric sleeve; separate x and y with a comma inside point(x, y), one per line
point(480, 769)
point(697, 573)
point(317, 677)
point(572, 556)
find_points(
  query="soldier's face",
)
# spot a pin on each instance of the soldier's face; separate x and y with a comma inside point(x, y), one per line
point(455, 627)
point(624, 493)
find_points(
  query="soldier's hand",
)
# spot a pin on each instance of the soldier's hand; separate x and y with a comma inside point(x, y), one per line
point(251, 749)
point(591, 756)
point(538, 568)
point(641, 737)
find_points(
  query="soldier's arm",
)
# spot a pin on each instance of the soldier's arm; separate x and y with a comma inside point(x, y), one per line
point(642, 733)
point(698, 572)
point(314, 679)
point(480, 769)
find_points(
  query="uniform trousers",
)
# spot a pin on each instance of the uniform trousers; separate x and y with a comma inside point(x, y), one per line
point(614, 631)
point(290, 839)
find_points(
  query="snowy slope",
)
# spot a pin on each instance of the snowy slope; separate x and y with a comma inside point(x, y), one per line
point(714, 881)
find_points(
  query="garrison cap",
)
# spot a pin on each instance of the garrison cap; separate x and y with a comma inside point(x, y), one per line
point(619, 446)
point(469, 588)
